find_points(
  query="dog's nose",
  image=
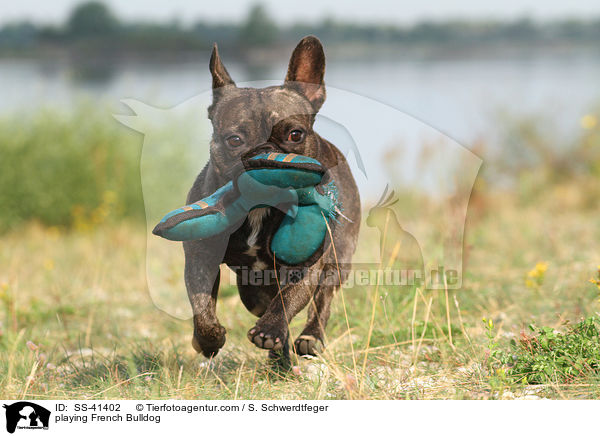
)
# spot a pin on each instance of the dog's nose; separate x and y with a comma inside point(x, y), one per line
point(265, 147)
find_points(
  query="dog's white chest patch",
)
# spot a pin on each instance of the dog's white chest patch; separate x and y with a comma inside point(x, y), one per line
point(255, 219)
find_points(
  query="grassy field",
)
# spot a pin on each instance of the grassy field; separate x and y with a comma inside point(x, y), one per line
point(77, 320)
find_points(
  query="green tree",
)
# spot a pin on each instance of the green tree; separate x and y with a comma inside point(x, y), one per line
point(91, 19)
point(258, 29)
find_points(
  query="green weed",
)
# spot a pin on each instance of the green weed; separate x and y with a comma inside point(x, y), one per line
point(548, 356)
point(76, 169)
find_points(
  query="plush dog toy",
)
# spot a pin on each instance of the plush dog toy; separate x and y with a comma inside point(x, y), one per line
point(289, 182)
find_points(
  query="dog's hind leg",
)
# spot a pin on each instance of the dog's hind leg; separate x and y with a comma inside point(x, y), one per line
point(255, 298)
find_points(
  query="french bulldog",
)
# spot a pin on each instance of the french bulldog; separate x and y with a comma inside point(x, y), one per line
point(278, 119)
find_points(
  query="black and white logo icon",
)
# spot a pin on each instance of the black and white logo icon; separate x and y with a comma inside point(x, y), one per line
point(26, 415)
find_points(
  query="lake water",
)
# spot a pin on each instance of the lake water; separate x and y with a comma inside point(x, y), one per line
point(457, 98)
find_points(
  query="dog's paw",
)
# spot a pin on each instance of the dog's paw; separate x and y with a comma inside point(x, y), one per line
point(208, 340)
point(267, 337)
point(307, 345)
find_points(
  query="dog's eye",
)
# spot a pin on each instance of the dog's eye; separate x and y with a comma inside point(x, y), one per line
point(295, 136)
point(234, 141)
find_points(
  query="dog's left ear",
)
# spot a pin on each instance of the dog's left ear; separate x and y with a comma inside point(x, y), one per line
point(306, 70)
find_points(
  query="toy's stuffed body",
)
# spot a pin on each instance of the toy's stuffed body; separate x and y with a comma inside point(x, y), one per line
point(287, 181)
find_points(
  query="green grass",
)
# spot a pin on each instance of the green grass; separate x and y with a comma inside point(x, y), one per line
point(66, 169)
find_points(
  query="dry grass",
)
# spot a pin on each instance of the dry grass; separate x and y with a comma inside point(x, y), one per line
point(77, 320)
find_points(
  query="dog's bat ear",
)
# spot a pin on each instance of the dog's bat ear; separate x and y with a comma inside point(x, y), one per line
point(220, 76)
point(307, 69)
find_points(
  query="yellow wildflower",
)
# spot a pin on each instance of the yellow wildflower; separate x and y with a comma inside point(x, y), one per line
point(589, 121)
point(596, 281)
point(535, 277)
point(48, 264)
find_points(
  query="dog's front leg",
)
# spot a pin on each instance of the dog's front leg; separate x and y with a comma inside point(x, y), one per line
point(202, 260)
point(312, 337)
point(271, 330)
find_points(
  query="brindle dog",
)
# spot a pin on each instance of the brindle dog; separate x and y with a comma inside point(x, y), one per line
point(277, 118)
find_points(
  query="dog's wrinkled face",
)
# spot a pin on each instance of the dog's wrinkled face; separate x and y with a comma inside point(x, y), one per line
point(278, 117)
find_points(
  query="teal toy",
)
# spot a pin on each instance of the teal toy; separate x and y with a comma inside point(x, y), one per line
point(286, 181)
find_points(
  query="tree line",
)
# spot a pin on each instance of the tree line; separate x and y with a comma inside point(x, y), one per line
point(93, 26)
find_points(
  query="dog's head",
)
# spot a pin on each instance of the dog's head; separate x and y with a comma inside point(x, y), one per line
point(279, 118)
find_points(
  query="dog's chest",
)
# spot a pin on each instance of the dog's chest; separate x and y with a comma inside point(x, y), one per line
point(256, 219)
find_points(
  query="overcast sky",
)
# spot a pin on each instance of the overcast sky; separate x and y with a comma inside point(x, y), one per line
point(388, 11)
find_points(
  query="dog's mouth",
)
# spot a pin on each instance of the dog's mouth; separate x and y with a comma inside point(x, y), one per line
point(234, 170)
